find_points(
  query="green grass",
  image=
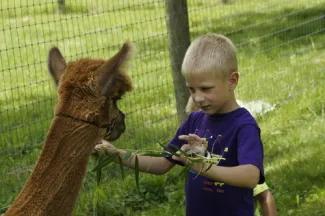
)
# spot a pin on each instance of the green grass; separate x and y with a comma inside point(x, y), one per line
point(280, 48)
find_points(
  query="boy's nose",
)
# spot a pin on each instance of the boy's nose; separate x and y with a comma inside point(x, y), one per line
point(198, 98)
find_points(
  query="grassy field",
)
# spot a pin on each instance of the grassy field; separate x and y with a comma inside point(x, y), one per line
point(281, 55)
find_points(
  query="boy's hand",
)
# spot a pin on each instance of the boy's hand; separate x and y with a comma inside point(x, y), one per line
point(182, 158)
point(194, 143)
point(110, 148)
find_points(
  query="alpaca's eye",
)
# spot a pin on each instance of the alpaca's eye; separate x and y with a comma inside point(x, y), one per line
point(117, 98)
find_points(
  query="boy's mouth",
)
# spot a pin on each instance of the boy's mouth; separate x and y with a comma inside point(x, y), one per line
point(205, 107)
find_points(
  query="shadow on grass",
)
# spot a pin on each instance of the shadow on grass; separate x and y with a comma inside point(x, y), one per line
point(301, 176)
point(294, 159)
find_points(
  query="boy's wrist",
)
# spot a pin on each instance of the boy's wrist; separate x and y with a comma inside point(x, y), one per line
point(200, 167)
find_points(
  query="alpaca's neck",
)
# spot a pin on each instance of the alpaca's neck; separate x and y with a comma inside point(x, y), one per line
point(53, 186)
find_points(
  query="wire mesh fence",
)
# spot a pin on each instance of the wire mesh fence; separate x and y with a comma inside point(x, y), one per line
point(279, 47)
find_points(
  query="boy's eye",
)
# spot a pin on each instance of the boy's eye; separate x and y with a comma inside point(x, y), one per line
point(206, 88)
point(191, 90)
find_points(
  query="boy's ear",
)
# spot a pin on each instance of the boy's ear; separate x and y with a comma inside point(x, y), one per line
point(233, 80)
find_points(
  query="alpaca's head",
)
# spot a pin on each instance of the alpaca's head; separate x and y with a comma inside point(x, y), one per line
point(89, 89)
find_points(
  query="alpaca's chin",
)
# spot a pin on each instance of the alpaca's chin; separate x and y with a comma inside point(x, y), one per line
point(116, 133)
point(113, 136)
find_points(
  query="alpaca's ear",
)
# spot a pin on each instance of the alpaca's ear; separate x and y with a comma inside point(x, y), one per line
point(56, 64)
point(107, 72)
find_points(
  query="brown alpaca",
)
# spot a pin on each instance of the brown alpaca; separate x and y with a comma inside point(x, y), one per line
point(87, 94)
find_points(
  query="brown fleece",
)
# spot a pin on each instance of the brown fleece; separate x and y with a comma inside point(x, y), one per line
point(87, 90)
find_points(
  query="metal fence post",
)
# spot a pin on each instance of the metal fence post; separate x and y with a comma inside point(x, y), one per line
point(179, 40)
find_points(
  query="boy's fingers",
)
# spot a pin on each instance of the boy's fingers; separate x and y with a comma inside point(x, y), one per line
point(99, 146)
point(194, 140)
point(184, 137)
point(190, 137)
point(197, 138)
point(105, 142)
point(194, 136)
point(185, 147)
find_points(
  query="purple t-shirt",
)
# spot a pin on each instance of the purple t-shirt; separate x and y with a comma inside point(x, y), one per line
point(236, 137)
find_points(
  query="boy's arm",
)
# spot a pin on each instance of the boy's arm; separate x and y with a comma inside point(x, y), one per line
point(267, 203)
point(245, 175)
point(241, 176)
point(148, 164)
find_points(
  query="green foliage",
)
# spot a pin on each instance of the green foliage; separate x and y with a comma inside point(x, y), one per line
point(113, 197)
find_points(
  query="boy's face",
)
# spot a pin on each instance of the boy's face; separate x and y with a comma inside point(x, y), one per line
point(211, 93)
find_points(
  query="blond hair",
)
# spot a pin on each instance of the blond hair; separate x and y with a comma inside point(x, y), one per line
point(210, 53)
point(191, 106)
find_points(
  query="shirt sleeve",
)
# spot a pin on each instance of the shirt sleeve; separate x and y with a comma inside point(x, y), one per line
point(250, 148)
point(260, 188)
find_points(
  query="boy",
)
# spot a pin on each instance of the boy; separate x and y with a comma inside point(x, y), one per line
point(261, 192)
point(221, 127)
